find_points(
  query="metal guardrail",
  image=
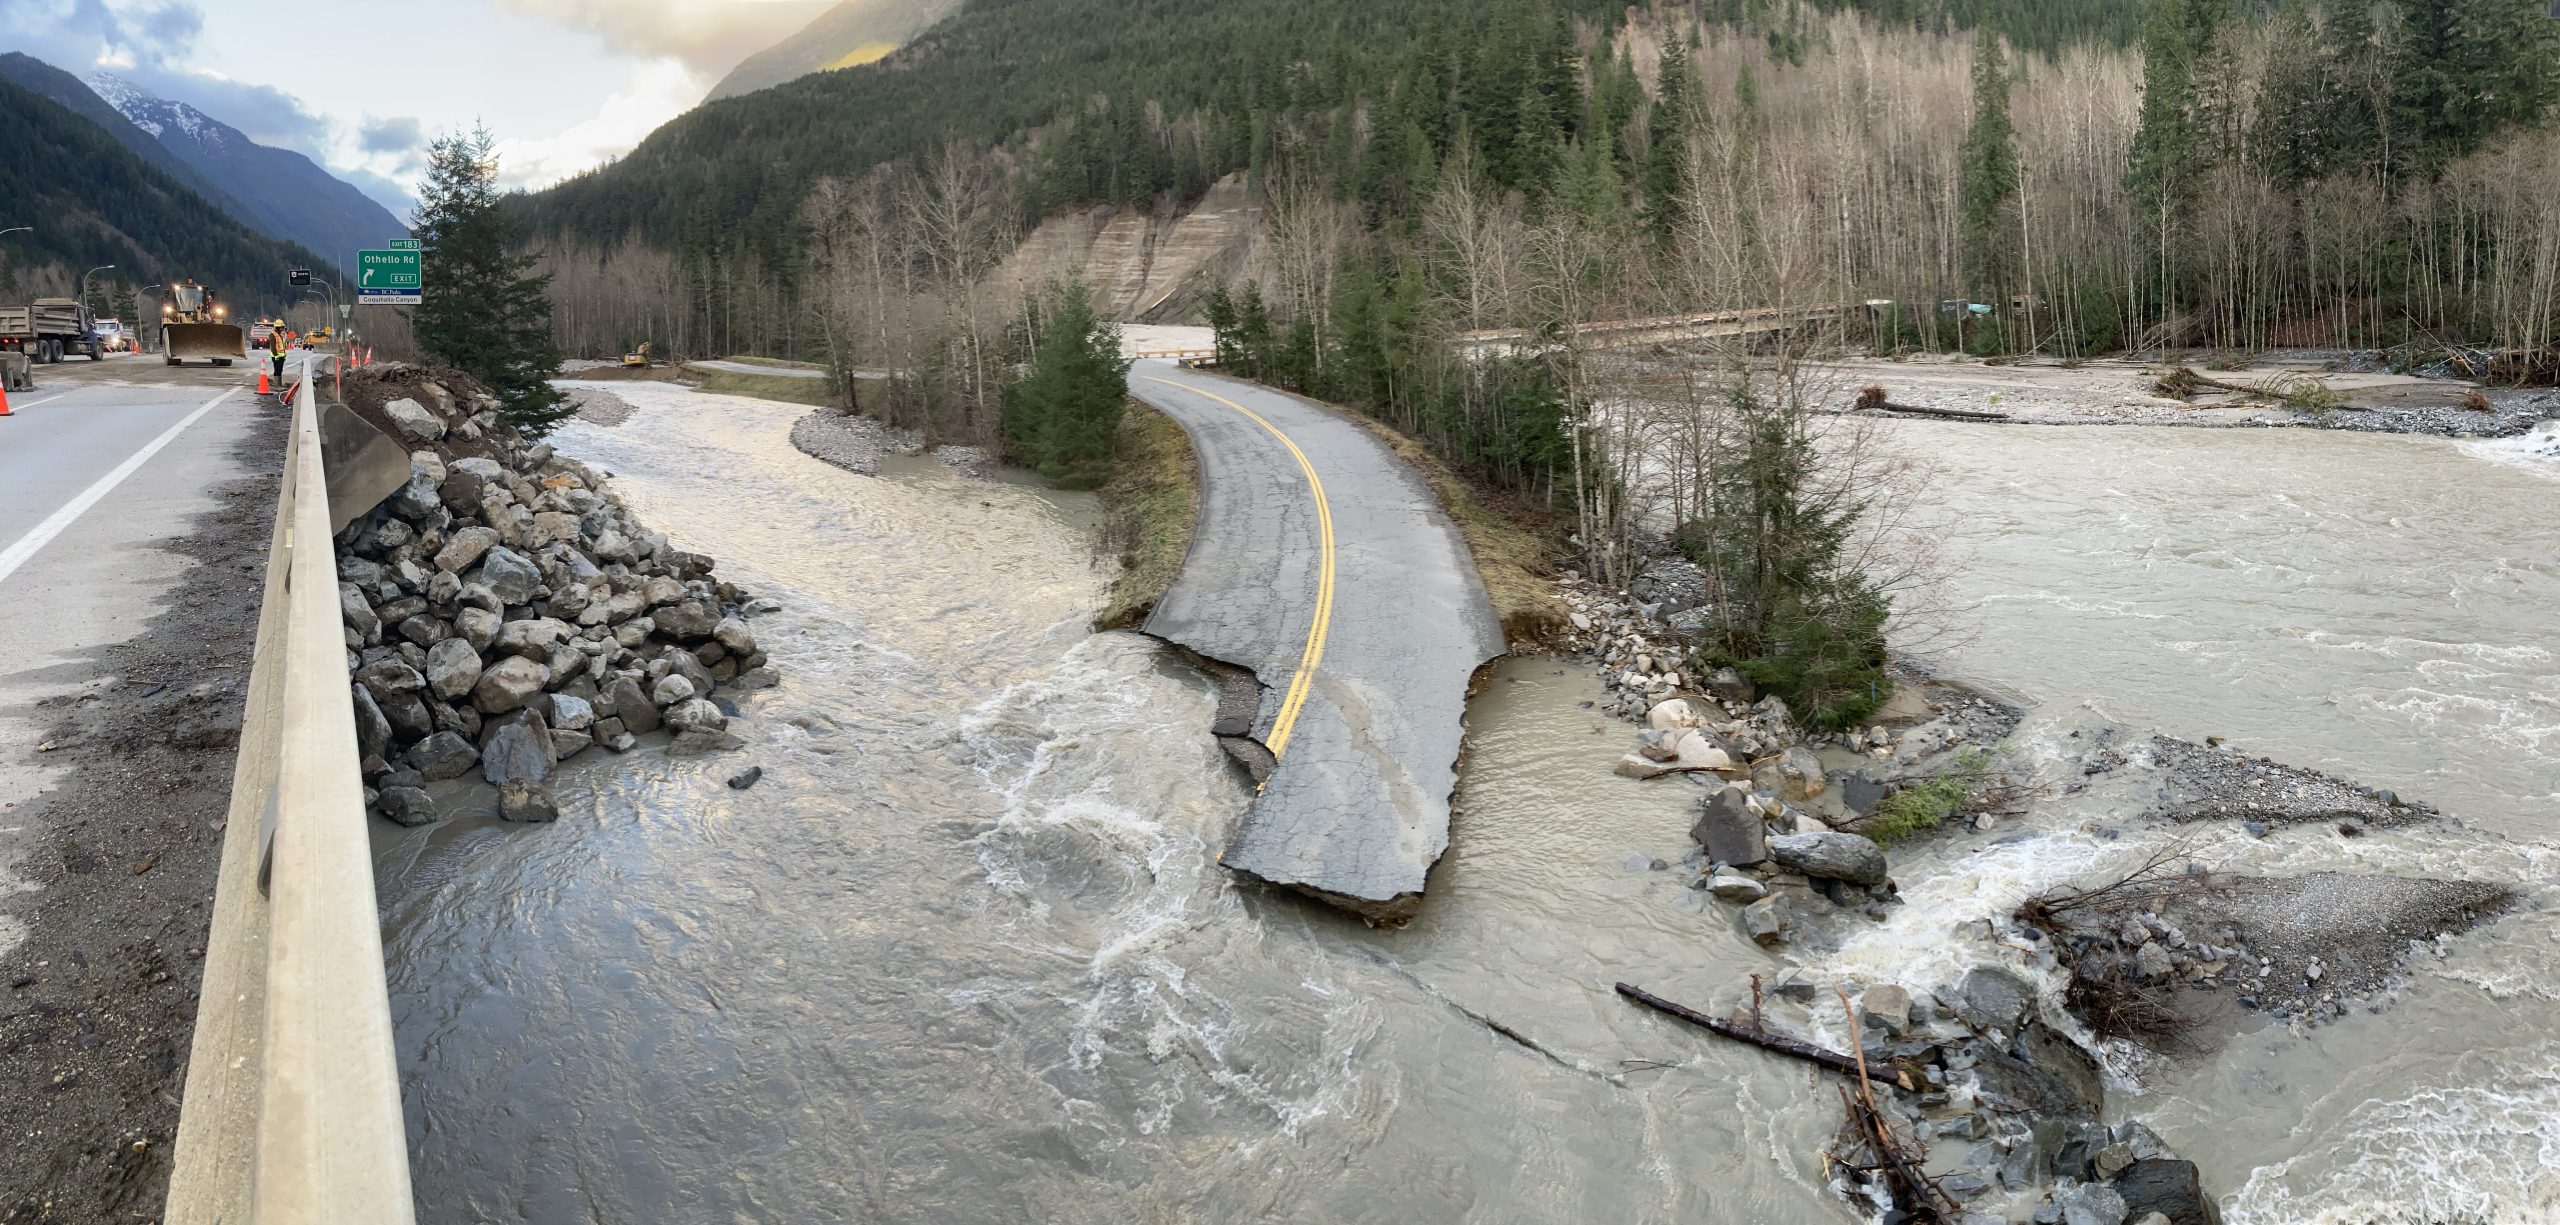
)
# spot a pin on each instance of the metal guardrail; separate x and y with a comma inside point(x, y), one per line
point(292, 1108)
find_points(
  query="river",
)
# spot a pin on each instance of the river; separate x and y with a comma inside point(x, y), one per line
point(965, 953)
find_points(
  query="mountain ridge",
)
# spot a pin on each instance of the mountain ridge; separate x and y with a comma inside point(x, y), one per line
point(94, 201)
point(853, 33)
point(283, 194)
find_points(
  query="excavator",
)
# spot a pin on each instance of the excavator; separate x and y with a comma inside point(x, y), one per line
point(638, 360)
point(193, 324)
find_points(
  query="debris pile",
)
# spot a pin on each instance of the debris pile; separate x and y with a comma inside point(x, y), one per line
point(505, 612)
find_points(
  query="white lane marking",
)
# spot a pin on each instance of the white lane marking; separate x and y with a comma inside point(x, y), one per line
point(16, 408)
point(16, 555)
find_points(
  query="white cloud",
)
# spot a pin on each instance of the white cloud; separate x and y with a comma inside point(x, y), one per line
point(710, 36)
point(659, 90)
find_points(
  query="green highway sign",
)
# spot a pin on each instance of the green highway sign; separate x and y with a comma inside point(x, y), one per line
point(390, 278)
point(404, 244)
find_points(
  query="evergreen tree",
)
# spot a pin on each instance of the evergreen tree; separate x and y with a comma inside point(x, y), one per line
point(1063, 418)
point(2299, 100)
point(1990, 179)
point(2173, 148)
point(2471, 69)
point(126, 309)
point(486, 312)
point(1790, 613)
point(1666, 163)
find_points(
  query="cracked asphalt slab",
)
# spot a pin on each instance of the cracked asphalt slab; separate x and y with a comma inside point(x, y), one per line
point(1323, 565)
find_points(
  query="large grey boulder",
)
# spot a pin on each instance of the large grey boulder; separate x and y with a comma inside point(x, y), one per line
point(358, 613)
point(508, 684)
point(687, 621)
point(639, 715)
point(416, 501)
point(479, 627)
point(732, 635)
point(1992, 998)
point(534, 638)
point(519, 751)
point(442, 756)
point(414, 421)
point(1801, 776)
point(673, 690)
point(695, 714)
point(406, 806)
point(373, 732)
point(1729, 832)
point(465, 548)
point(1831, 856)
point(2168, 1187)
point(569, 713)
point(549, 527)
point(1765, 921)
point(390, 676)
point(453, 667)
point(510, 575)
point(2091, 1204)
point(408, 714)
point(1735, 887)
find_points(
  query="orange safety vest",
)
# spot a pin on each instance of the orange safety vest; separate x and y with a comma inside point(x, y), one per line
point(275, 343)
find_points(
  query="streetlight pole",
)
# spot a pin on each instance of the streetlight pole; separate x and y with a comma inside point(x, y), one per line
point(84, 282)
point(17, 229)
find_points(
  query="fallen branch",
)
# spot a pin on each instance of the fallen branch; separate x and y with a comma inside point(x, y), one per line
point(1904, 1180)
point(1837, 1062)
point(1960, 414)
point(1872, 399)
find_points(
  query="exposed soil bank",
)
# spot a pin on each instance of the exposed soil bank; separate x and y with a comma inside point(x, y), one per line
point(101, 995)
point(1154, 499)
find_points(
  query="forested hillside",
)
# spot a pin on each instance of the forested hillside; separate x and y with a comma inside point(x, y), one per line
point(28, 72)
point(2316, 174)
point(93, 202)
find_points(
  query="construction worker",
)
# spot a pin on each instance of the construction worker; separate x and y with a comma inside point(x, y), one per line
point(275, 352)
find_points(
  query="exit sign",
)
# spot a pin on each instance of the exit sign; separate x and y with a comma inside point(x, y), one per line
point(392, 277)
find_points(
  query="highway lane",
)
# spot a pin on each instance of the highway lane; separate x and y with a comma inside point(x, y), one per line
point(1323, 564)
point(98, 468)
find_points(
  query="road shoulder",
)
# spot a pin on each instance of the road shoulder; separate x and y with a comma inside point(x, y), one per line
point(120, 861)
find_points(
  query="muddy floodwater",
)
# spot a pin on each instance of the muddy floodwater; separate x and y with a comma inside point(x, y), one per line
point(965, 953)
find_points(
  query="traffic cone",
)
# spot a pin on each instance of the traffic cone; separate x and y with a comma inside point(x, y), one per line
point(4, 397)
point(263, 388)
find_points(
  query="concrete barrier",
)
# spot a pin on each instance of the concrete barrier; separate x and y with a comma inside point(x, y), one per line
point(292, 1107)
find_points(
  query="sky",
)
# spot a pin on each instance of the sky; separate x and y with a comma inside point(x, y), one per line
point(360, 86)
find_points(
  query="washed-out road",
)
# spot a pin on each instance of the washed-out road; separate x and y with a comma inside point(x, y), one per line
point(1323, 564)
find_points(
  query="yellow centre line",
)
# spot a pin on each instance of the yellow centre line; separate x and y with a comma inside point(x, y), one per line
point(1300, 681)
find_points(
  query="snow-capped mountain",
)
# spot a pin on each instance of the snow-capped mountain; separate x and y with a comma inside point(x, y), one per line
point(283, 193)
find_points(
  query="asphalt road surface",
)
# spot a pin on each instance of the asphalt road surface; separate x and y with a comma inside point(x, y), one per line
point(1324, 565)
point(98, 465)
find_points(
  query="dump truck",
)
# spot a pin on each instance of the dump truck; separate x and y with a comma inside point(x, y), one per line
point(49, 330)
point(194, 324)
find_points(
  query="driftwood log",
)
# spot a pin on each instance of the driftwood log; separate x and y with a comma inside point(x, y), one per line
point(1872, 399)
point(1834, 1060)
point(1960, 414)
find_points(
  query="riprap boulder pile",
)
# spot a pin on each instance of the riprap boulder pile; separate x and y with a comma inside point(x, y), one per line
point(505, 612)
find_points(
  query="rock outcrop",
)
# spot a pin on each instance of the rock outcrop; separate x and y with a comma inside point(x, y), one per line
point(504, 611)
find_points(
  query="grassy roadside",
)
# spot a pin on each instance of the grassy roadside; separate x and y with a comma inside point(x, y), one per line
point(773, 362)
point(1515, 543)
point(817, 393)
point(1154, 499)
